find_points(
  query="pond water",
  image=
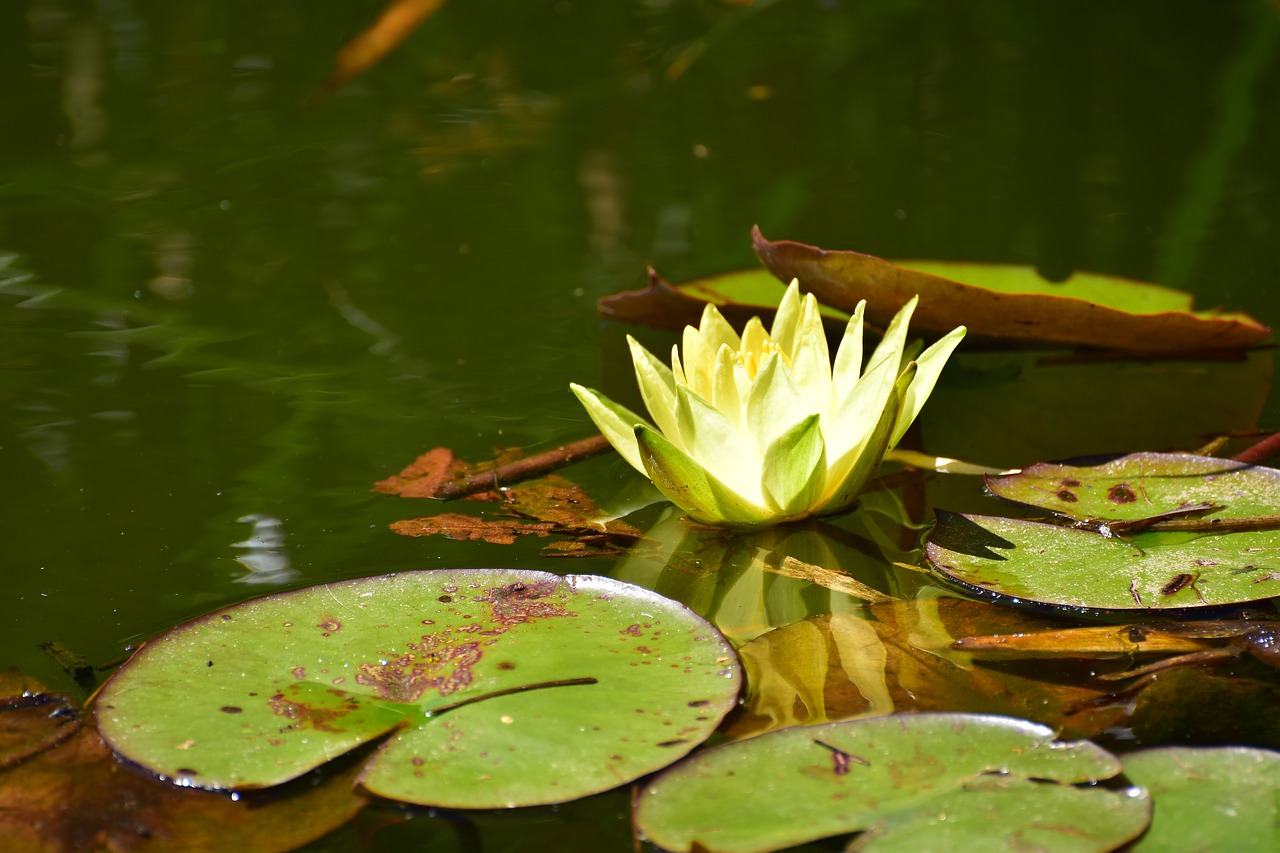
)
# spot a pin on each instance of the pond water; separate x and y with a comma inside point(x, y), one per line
point(228, 306)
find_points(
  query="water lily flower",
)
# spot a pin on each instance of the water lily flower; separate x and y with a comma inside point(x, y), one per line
point(761, 428)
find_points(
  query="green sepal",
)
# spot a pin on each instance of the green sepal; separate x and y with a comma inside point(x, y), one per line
point(616, 422)
point(691, 487)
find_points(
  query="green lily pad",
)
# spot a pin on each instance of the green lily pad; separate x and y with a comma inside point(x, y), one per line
point(1013, 303)
point(1225, 798)
point(493, 687)
point(1142, 486)
point(1082, 569)
point(908, 782)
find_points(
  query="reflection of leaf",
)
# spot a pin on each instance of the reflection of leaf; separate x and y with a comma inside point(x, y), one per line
point(1002, 784)
point(747, 584)
point(898, 657)
point(1224, 798)
point(396, 23)
point(74, 795)
point(1012, 303)
point(1011, 409)
point(259, 693)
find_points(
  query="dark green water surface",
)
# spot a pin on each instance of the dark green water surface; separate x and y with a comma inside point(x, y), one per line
point(220, 306)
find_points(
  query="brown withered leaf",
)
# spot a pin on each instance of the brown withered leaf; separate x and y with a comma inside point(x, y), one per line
point(1012, 303)
point(439, 474)
point(424, 476)
point(397, 22)
point(72, 794)
point(547, 506)
point(452, 525)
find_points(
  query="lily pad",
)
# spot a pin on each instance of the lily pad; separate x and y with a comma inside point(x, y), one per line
point(1012, 303)
point(493, 687)
point(1084, 570)
point(1224, 798)
point(908, 782)
point(1141, 486)
point(738, 295)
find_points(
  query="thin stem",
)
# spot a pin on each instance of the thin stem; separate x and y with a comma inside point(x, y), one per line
point(1261, 451)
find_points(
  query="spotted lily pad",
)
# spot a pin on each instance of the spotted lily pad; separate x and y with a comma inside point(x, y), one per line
point(1001, 783)
point(1082, 569)
point(1141, 486)
point(492, 687)
point(1225, 798)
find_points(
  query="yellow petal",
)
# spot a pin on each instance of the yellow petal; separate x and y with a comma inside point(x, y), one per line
point(716, 330)
point(786, 323)
point(848, 357)
point(728, 387)
point(657, 389)
point(811, 360)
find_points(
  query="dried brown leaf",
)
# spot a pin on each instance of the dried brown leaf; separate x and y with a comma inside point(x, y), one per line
point(500, 531)
point(842, 278)
point(396, 23)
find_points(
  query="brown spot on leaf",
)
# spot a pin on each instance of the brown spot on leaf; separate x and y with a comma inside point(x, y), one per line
point(329, 624)
point(1067, 496)
point(428, 665)
point(1070, 482)
point(633, 630)
point(517, 603)
point(1120, 493)
point(321, 719)
point(231, 709)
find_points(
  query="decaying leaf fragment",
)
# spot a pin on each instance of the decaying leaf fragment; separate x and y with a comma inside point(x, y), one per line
point(439, 474)
point(542, 507)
